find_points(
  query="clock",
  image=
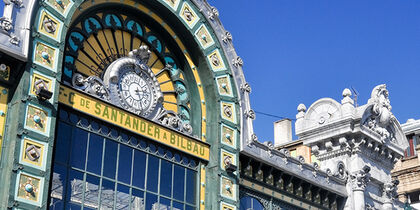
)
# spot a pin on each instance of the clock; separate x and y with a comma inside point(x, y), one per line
point(133, 86)
point(135, 91)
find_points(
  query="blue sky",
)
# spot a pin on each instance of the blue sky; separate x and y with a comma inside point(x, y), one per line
point(299, 51)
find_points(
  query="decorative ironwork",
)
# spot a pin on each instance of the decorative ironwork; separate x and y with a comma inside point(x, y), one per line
point(102, 42)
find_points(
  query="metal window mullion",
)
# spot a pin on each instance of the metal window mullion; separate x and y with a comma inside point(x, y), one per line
point(130, 191)
point(172, 184)
point(116, 176)
point(145, 177)
point(158, 187)
point(102, 171)
point(185, 187)
point(68, 168)
point(84, 171)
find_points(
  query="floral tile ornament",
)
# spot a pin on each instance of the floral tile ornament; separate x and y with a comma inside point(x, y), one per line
point(228, 111)
point(216, 61)
point(172, 3)
point(37, 119)
point(62, 6)
point(49, 25)
point(224, 85)
point(39, 80)
point(33, 153)
point(228, 188)
point(228, 136)
point(29, 188)
point(204, 37)
point(45, 55)
point(227, 158)
point(188, 15)
point(226, 206)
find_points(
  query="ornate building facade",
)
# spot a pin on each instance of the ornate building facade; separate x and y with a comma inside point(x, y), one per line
point(408, 169)
point(142, 104)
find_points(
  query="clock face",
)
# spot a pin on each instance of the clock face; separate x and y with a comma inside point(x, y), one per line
point(135, 91)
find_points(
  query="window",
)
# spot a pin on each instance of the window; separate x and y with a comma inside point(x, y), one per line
point(250, 203)
point(115, 171)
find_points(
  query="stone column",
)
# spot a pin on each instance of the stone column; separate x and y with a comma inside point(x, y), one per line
point(359, 181)
point(390, 192)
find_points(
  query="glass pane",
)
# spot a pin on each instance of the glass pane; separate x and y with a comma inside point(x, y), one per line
point(75, 189)
point(187, 207)
point(151, 201)
point(190, 185)
point(139, 168)
point(137, 201)
point(257, 205)
point(56, 204)
point(165, 178)
point(110, 158)
point(152, 173)
point(124, 164)
point(62, 143)
point(177, 206)
point(164, 204)
point(73, 206)
point(179, 173)
point(78, 148)
point(107, 194)
point(246, 203)
point(123, 197)
point(92, 192)
point(94, 161)
point(58, 184)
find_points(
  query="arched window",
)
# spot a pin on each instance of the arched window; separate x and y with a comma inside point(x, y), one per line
point(250, 203)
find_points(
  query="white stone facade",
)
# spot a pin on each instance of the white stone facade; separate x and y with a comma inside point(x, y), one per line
point(360, 144)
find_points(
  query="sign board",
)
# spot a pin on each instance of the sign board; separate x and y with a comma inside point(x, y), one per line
point(116, 116)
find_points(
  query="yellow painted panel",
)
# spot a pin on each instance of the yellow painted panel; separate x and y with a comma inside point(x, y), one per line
point(3, 107)
point(136, 43)
point(96, 108)
point(127, 42)
point(95, 45)
point(108, 36)
point(152, 59)
point(163, 77)
point(181, 75)
point(202, 187)
point(171, 107)
point(120, 40)
point(169, 98)
point(167, 86)
point(157, 67)
point(82, 68)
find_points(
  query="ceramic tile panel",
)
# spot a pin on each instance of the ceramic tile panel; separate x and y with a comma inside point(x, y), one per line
point(37, 119)
point(224, 86)
point(228, 136)
point(33, 153)
point(203, 36)
point(188, 14)
point(228, 111)
point(29, 188)
point(49, 25)
point(45, 55)
point(216, 61)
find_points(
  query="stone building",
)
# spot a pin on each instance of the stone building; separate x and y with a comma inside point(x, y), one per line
point(142, 104)
point(408, 169)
